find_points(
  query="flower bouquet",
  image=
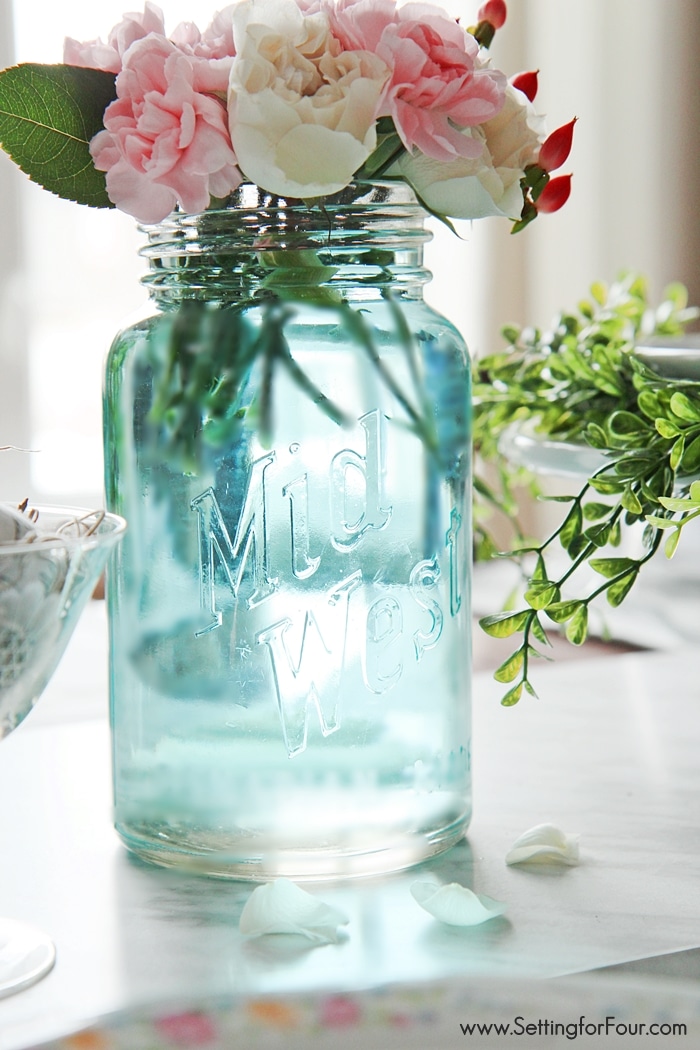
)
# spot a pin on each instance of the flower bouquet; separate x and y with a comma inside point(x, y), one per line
point(299, 98)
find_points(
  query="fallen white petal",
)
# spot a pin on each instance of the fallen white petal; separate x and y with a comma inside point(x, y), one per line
point(544, 844)
point(456, 905)
point(283, 907)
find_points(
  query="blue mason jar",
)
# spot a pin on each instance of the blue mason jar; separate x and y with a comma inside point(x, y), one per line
point(287, 433)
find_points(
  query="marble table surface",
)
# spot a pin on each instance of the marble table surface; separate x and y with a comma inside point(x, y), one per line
point(609, 751)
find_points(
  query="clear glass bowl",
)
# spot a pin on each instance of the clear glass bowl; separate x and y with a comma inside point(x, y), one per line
point(50, 563)
point(45, 581)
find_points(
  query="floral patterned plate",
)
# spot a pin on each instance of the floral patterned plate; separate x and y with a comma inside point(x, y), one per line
point(601, 1010)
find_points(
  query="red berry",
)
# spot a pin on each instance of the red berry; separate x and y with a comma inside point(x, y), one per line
point(527, 83)
point(493, 11)
point(556, 147)
point(555, 194)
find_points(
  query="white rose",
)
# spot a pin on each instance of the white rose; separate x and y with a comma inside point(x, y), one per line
point(302, 112)
point(488, 184)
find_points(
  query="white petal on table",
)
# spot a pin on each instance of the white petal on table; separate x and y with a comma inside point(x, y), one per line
point(283, 907)
point(456, 905)
point(544, 844)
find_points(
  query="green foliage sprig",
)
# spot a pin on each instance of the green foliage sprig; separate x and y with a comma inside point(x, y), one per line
point(202, 399)
point(582, 383)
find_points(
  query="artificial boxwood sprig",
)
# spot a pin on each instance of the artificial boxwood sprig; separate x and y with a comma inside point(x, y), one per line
point(582, 383)
point(588, 527)
point(688, 509)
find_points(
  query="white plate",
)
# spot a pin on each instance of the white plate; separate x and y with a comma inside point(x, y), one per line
point(673, 358)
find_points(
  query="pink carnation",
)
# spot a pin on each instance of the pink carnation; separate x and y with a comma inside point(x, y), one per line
point(166, 142)
point(214, 48)
point(97, 55)
point(215, 42)
point(436, 86)
point(359, 24)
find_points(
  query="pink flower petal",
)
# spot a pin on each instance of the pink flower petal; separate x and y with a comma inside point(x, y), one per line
point(188, 125)
point(138, 195)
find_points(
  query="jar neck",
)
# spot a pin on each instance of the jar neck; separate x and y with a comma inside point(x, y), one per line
point(357, 244)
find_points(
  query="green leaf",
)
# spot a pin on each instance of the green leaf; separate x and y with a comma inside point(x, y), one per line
point(661, 483)
point(611, 567)
point(635, 467)
point(48, 115)
point(577, 546)
point(649, 404)
point(676, 504)
point(595, 511)
point(560, 612)
point(599, 292)
point(540, 570)
point(596, 436)
point(513, 695)
point(606, 381)
point(539, 633)
point(684, 408)
point(626, 424)
point(677, 294)
point(661, 523)
point(577, 628)
point(502, 625)
point(695, 491)
point(510, 668)
point(388, 145)
point(599, 534)
point(690, 460)
point(667, 429)
point(606, 487)
point(571, 528)
point(540, 593)
point(484, 547)
point(648, 536)
point(672, 543)
point(630, 501)
point(677, 453)
point(618, 591)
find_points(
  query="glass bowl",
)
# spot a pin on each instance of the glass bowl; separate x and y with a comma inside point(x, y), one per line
point(50, 561)
point(47, 574)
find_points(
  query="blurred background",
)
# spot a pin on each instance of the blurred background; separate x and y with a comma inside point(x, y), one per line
point(69, 275)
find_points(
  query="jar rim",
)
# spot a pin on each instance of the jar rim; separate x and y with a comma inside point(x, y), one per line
point(383, 195)
point(371, 234)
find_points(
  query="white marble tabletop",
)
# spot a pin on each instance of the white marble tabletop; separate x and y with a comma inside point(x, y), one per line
point(609, 751)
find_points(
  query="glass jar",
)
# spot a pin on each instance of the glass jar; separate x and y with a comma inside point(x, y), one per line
point(287, 434)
